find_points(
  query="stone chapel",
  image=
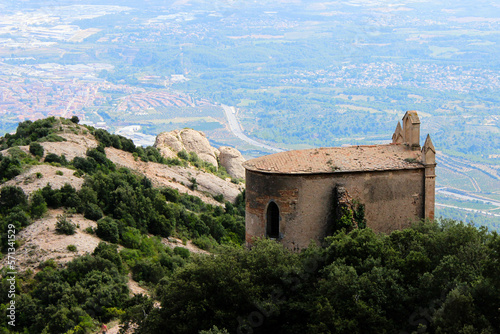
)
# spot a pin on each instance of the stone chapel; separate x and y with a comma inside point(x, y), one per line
point(295, 197)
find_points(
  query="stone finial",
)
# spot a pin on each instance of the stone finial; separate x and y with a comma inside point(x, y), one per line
point(411, 129)
point(397, 137)
point(428, 152)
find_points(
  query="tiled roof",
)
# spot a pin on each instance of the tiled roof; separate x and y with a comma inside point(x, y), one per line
point(338, 159)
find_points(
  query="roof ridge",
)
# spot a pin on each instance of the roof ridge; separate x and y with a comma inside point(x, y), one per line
point(338, 159)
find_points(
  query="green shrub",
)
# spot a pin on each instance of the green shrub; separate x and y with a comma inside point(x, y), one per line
point(174, 162)
point(113, 312)
point(194, 183)
point(109, 252)
point(89, 230)
point(182, 252)
point(92, 211)
point(214, 330)
point(131, 238)
point(54, 138)
point(54, 158)
point(29, 131)
point(36, 149)
point(219, 198)
point(17, 217)
point(204, 242)
point(11, 196)
point(147, 271)
point(64, 226)
point(86, 165)
point(37, 206)
point(130, 256)
point(183, 155)
point(50, 263)
point(10, 167)
point(71, 248)
point(51, 196)
point(107, 229)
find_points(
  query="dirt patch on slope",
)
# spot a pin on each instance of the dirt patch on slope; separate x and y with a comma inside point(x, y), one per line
point(76, 145)
point(172, 242)
point(40, 242)
point(30, 180)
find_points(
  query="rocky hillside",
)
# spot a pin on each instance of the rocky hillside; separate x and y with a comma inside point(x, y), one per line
point(66, 188)
point(78, 140)
point(74, 142)
point(69, 141)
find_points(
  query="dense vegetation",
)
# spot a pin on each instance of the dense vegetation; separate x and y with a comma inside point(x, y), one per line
point(68, 300)
point(431, 278)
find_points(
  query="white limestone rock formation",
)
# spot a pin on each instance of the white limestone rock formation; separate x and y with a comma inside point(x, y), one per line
point(232, 160)
point(169, 143)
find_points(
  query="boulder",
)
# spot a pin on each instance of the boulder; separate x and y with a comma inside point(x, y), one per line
point(169, 143)
point(232, 160)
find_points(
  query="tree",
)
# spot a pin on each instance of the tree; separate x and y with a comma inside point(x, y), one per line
point(53, 197)
point(93, 211)
point(75, 119)
point(17, 217)
point(219, 290)
point(52, 157)
point(37, 206)
point(11, 196)
point(109, 252)
point(10, 167)
point(148, 271)
point(107, 229)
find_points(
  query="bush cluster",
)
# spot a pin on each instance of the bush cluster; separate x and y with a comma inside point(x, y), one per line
point(431, 278)
point(28, 131)
point(65, 226)
point(74, 299)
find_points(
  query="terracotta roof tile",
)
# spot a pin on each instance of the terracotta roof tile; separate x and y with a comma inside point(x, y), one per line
point(337, 160)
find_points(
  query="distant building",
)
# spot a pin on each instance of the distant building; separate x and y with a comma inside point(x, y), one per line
point(299, 196)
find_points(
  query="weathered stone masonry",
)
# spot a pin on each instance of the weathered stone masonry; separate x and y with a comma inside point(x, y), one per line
point(394, 182)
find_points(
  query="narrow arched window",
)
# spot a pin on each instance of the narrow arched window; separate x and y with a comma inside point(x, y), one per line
point(273, 221)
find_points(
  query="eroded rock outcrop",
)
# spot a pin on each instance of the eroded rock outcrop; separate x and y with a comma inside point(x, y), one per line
point(169, 143)
point(232, 160)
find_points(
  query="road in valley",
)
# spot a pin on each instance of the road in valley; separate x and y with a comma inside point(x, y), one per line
point(469, 209)
point(465, 195)
point(235, 128)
